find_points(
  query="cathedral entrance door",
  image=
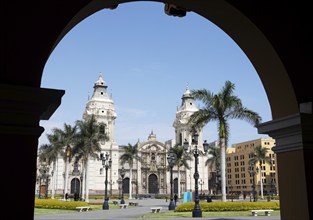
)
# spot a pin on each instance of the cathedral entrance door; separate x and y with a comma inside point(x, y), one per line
point(153, 184)
point(176, 185)
point(126, 185)
point(75, 188)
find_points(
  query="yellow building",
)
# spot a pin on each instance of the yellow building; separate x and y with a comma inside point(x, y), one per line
point(239, 178)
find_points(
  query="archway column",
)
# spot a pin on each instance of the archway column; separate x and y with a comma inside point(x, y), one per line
point(294, 150)
point(21, 109)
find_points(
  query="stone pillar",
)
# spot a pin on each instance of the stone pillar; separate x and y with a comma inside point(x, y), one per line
point(21, 109)
point(294, 152)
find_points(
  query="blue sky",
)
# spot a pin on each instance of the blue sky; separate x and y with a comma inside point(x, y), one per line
point(147, 59)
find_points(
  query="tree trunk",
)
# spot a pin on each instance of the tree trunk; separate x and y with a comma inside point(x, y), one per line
point(66, 176)
point(87, 182)
point(223, 170)
point(261, 183)
point(83, 185)
point(130, 183)
point(53, 180)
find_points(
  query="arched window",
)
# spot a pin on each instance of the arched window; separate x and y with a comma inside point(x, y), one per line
point(153, 156)
point(102, 128)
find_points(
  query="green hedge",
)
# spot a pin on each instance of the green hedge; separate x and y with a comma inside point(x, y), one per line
point(227, 206)
point(58, 204)
point(101, 197)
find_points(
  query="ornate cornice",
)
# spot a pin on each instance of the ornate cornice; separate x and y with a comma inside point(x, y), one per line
point(291, 133)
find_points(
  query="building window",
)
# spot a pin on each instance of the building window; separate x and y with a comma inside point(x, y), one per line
point(153, 156)
point(102, 129)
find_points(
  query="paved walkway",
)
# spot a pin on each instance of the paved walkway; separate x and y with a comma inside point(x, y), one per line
point(137, 212)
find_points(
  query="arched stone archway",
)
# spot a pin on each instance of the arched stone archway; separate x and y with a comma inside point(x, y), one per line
point(261, 53)
point(280, 53)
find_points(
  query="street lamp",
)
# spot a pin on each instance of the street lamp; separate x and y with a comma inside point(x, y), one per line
point(252, 173)
point(171, 159)
point(197, 209)
point(217, 180)
point(122, 175)
point(201, 183)
point(106, 163)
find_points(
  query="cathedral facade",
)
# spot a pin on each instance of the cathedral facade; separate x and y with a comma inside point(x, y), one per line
point(149, 176)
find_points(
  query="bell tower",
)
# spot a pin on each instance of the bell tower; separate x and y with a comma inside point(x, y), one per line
point(182, 133)
point(183, 113)
point(101, 106)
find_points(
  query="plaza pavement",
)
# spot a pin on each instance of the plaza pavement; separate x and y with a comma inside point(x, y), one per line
point(137, 212)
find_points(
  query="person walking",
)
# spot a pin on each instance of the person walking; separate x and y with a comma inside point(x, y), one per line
point(175, 199)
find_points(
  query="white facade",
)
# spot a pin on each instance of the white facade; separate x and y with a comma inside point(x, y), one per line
point(183, 133)
point(149, 177)
point(102, 106)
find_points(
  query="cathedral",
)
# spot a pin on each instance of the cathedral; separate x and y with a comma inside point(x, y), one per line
point(148, 177)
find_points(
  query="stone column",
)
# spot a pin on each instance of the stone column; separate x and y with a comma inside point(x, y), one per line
point(21, 109)
point(294, 151)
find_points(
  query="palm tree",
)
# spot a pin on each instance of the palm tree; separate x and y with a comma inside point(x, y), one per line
point(66, 138)
point(221, 107)
point(51, 152)
point(214, 162)
point(259, 155)
point(87, 145)
point(181, 161)
point(130, 154)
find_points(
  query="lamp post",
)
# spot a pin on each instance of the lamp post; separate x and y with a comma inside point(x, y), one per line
point(196, 152)
point(119, 188)
point(122, 175)
point(201, 183)
point(106, 163)
point(252, 173)
point(171, 159)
